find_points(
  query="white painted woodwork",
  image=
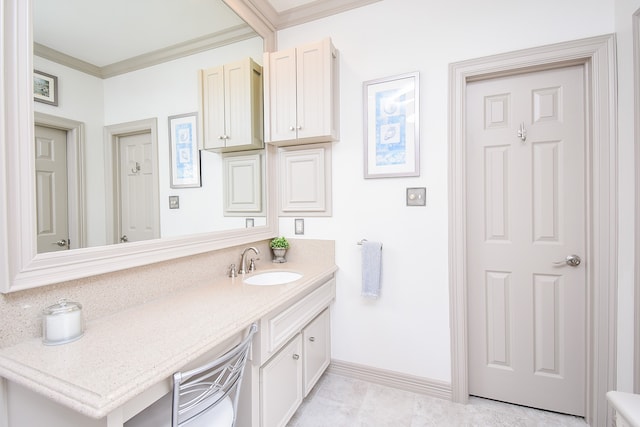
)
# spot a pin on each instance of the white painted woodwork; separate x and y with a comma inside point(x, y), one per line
point(301, 94)
point(305, 180)
point(243, 185)
point(281, 385)
point(267, 401)
point(76, 212)
point(316, 350)
point(597, 55)
point(232, 106)
point(527, 321)
point(137, 187)
point(276, 329)
point(51, 189)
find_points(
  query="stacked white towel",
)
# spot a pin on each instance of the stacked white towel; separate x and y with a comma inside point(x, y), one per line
point(371, 268)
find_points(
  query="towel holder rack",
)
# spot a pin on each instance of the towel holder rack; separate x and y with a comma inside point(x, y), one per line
point(362, 241)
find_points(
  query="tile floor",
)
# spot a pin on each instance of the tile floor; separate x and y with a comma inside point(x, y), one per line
point(338, 401)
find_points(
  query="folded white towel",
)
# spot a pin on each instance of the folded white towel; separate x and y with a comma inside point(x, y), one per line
point(371, 268)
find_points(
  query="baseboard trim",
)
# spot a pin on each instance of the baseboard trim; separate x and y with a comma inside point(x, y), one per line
point(433, 388)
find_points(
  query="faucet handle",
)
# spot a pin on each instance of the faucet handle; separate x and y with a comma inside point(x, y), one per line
point(252, 264)
point(232, 271)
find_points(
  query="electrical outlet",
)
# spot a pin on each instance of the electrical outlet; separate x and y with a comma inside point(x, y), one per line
point(299, 225)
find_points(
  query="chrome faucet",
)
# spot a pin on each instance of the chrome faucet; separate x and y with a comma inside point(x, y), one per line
point(243, 260)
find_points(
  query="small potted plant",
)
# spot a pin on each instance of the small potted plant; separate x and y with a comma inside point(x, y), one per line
point(279, 246)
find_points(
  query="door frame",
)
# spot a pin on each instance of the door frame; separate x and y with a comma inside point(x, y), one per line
point(636, 115)
point(597, 55)
point(112, 136)
point(77, 209)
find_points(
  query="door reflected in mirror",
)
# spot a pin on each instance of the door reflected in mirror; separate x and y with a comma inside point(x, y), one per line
point(100, 87)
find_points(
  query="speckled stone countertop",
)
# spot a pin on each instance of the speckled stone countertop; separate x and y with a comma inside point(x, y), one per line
point(124, 354)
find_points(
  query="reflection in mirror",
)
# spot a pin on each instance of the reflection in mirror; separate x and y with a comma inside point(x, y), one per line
point(113, 74)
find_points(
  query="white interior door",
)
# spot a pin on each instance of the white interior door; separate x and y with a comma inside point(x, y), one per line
point(138, 206)
point(525, 213)
point(51, 189)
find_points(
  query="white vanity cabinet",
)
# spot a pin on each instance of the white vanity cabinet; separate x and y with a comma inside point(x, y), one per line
point(290, 352)
point(232, 113)
point(301, 94)
point(290, 375)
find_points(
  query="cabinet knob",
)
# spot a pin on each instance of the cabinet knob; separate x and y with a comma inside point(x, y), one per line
point(292, 128)
point(299, 127)
point(312, 339)
point(221, 137)
point(296, 356)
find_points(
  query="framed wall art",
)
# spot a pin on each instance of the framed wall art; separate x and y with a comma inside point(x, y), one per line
point(391, 126)
point(184, 151)
point(45, 88)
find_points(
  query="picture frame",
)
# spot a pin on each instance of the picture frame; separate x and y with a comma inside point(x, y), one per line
point(391, 126)
point(45, 88)
point(184, 151)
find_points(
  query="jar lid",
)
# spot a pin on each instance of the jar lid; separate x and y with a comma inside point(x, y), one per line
point(62, 306)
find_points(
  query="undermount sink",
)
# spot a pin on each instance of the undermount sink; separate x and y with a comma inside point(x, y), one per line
point(272, 278)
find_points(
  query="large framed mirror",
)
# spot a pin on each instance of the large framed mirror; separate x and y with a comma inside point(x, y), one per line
point(26, 266)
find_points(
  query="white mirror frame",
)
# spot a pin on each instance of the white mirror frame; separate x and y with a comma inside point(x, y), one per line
point(21, 267)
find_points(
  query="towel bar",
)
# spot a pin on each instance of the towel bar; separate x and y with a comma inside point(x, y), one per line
point(364, 240)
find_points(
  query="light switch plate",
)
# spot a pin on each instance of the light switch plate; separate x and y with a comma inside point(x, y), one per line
point(248, 222)
point(299, 225)
point(416, 196)
point(174, 202)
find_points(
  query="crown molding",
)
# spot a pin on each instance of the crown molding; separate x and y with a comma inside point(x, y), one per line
point(190, 47)
point(306, 13)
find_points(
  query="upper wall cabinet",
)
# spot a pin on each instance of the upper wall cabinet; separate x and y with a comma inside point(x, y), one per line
point(302, 94)
point(232, 106)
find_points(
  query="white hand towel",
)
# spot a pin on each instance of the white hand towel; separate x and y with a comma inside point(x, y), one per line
point(371, 268)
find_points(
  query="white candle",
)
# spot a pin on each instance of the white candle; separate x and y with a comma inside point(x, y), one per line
point(62, 327)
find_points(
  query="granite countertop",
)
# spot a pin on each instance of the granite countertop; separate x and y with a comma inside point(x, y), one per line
point(122, 355)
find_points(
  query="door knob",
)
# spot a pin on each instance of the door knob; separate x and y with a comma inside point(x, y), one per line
point(571, 260)
point(296, 356)
point(62, 243)
point(124, 238)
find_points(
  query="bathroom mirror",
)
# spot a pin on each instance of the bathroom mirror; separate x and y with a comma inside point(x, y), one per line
point(24, 267)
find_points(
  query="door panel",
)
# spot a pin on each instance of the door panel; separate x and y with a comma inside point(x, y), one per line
point(137, 189)
point(526, 204)
point(51, 189)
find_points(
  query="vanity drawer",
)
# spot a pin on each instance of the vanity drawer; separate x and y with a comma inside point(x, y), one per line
point(281, 326)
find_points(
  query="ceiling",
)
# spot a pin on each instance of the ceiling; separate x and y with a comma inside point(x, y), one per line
point(96, 33)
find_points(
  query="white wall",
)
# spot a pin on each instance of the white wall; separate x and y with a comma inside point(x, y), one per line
point(407, 329)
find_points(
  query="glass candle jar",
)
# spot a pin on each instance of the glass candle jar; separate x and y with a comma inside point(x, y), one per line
point(62, 323)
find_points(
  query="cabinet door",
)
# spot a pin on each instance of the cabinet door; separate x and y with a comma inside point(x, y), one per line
point(316, 350)
point(213, 107)
point(281, 385)
point(237, 103)
point(315, 91)
point(242, 179)
point(282, 96)
point(305, 180)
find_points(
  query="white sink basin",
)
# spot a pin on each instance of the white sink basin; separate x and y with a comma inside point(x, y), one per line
point(272, 278)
